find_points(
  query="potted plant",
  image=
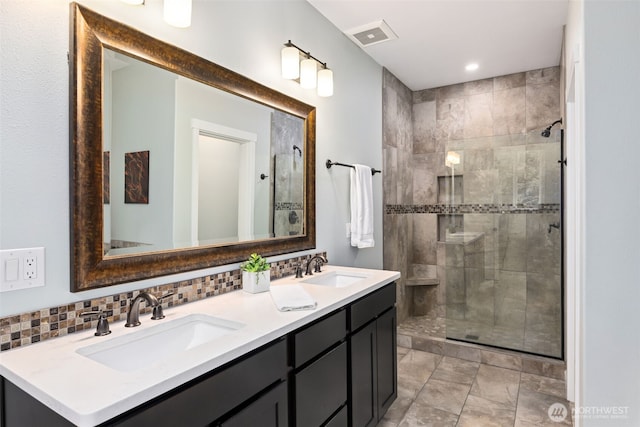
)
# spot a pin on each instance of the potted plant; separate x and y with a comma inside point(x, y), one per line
point(255, 274)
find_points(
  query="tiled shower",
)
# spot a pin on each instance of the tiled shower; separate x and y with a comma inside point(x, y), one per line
point(472, 198)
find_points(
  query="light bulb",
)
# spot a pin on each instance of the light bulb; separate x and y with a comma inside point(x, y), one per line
point(177, 13)
point(308, 73)
point(325, 82)
point(290, 63)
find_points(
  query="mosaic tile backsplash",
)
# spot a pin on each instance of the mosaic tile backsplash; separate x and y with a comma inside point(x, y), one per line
point(32, 327)
point(472, 208)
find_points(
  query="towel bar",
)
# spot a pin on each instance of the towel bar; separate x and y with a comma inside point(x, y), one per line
point(329, 163)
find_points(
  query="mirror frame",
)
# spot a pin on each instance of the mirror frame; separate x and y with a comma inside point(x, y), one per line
point(90, 32)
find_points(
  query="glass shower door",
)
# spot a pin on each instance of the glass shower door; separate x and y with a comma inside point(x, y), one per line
point(503, 243)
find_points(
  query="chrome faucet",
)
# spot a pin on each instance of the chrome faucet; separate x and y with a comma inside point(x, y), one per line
point(133, 316)
point(319, 259)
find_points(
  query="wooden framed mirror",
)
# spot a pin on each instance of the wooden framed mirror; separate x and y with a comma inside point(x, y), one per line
point(94, 39)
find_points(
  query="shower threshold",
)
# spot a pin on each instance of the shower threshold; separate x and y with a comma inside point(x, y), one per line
point(428, 333)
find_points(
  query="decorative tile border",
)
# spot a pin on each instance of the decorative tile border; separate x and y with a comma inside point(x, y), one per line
point(32, 327)
point(288, 206)
point(472, 209)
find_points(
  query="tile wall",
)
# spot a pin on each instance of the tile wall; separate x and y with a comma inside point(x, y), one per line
point(397, 145)
point(286, 174)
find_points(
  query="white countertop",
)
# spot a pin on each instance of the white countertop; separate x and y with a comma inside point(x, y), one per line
point(88, 393)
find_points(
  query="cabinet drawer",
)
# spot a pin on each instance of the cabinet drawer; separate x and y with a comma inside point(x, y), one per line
point(341, 419)
point(270, 410)
point(372, 305)
point(209, 398)
point(321, 388)
point(314, 339)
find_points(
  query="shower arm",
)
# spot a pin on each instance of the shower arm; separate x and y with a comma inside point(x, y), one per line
point(547, 132)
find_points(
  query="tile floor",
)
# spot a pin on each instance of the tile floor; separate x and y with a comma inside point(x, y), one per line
point(441, 391)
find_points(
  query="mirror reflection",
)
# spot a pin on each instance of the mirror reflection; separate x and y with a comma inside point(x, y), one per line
point(188, 165)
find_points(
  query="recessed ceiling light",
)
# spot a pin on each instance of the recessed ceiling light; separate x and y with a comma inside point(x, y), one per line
point(471, 67)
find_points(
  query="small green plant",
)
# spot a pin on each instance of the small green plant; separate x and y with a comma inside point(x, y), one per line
point(255, 264)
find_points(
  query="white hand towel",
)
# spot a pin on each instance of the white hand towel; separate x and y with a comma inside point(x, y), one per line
point(292, 297)
point(361, 207)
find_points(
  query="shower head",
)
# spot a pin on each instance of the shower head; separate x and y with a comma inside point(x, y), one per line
point(296, 148)
point(547, 132)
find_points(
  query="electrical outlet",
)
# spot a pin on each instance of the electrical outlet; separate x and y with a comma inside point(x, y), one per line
point(21, 268)
point(30, 267)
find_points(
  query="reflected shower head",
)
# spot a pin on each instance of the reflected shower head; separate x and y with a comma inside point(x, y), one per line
point(547, 132)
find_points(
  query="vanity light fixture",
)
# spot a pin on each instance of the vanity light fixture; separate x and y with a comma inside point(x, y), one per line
point(306, 70)
point(308, 73)
point(290, 63)
point(177, 13)
point(325, 82)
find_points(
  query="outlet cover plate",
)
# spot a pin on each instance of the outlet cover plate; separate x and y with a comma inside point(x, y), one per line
point(21, 269)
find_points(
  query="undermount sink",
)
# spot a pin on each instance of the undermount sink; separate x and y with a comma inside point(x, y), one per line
point(151, 345)
point(336, 279)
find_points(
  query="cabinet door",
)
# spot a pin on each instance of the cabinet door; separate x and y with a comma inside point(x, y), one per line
point(270, 410)
point(374, 384)
point(386, 355)
point(364, 377)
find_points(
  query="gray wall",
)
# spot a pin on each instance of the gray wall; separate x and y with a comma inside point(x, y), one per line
point(143, 121)
point(244, 36)
point(197, 101)
point(611, 293)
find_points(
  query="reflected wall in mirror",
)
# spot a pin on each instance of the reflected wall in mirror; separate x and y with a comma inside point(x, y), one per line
point(231, 162)
point(210, 149)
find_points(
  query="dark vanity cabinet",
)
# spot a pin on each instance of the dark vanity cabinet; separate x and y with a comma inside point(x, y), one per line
point(373, 358)
point(337, 371)
point(251, 390)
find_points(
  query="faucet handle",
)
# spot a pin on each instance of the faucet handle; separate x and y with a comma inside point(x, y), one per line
point(102, 328)
point(299, 271)
point(158, 312)
point(165, 296)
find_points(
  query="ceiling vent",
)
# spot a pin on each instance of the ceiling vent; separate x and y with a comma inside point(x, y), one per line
point(370, 34)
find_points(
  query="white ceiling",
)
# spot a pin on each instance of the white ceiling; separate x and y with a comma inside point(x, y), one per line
point(437, 38)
